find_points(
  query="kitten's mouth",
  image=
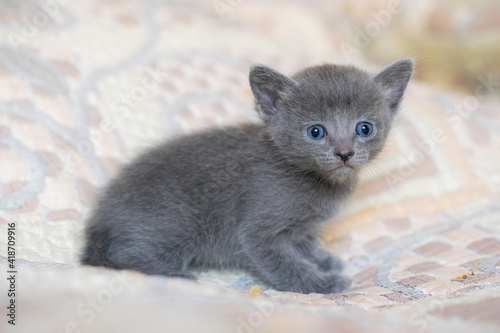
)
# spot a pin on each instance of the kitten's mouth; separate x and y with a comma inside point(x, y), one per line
point(337, 167)
point(343, 168)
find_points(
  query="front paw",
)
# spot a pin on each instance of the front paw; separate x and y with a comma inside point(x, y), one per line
point(330, 263)
point(320, 283)
point(333, 283)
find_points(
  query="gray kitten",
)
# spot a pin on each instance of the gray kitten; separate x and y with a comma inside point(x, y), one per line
point(255, 196)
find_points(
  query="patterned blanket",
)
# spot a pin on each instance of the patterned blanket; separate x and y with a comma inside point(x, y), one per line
point(85, 86)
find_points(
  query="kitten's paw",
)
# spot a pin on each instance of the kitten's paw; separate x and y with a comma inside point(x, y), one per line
point(330, 263)
point(335, 284)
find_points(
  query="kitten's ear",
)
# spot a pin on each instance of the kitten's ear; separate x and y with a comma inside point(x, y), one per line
point(395, 78)
point(267, 86)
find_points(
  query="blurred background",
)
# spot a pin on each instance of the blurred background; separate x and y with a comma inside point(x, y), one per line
point(457, 43)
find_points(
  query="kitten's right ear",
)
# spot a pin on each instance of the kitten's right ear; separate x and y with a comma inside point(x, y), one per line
point(267, 86)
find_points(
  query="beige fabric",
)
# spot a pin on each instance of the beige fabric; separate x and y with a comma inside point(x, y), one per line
point(102, 80)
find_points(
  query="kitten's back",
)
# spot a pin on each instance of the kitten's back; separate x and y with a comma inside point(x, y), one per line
point(201, 177)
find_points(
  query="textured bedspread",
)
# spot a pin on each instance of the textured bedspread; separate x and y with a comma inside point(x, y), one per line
point(85, 86)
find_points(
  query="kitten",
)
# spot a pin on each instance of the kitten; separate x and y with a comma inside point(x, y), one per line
point(255, 196)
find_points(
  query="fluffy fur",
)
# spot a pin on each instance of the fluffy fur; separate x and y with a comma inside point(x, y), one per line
point(253, 196)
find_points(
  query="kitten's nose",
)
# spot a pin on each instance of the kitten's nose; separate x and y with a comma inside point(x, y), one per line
point(345, 155)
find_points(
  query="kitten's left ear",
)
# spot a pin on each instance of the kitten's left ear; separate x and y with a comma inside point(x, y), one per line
point(395, 78)
point(267, 87)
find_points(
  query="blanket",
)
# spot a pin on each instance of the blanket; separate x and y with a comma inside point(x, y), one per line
point(86, 86)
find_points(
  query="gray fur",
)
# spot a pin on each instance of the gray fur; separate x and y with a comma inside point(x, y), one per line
point(251, 196)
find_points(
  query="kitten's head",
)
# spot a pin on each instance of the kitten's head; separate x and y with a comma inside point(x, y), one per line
point(330, 119)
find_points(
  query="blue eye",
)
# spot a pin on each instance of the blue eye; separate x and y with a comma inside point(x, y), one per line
point(316, 132)
point(364, 129)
